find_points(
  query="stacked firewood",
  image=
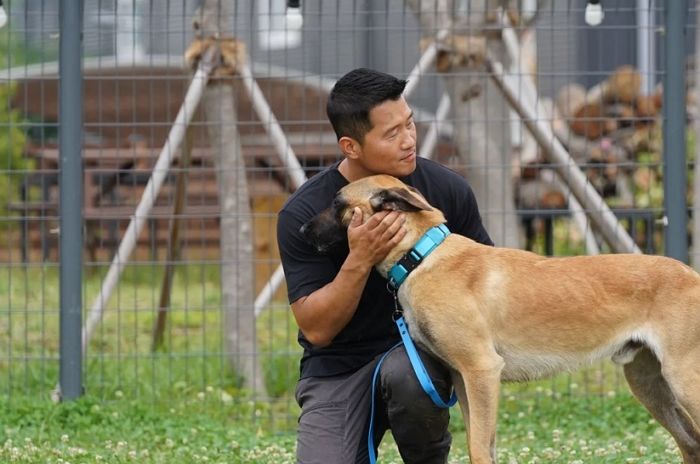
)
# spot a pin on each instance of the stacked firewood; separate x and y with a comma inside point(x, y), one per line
point(612, 131)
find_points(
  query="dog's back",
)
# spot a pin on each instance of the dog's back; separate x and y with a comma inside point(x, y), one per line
point(547, 315)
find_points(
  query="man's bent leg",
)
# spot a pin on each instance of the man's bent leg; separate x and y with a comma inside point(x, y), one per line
point(419, 426)
point(334, 421)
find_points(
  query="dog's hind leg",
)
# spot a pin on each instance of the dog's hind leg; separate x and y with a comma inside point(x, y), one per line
point(683, 377)
point(648, 384)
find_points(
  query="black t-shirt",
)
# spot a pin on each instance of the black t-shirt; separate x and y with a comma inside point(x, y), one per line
point(371, 330)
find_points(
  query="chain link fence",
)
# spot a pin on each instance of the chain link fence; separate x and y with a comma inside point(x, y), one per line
point(181, 286)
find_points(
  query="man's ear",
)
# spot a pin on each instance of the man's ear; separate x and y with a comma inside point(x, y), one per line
point(349, 147)
point(399, 199)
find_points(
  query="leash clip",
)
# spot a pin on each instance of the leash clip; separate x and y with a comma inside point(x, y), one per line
point(398, 312)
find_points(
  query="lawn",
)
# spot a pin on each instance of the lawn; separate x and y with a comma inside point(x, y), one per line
point(203, 427)
point(184, 404)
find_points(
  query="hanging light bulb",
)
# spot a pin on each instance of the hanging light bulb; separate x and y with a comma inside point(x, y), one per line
point(594, 13)
point(3, 15)
point(294, 18)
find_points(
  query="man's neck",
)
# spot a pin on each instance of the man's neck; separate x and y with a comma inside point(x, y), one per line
point(351, 171)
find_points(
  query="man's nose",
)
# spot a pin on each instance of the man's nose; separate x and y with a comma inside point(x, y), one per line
point(408, 139)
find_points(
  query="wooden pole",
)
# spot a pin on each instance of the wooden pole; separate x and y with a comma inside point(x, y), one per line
point(173, 253)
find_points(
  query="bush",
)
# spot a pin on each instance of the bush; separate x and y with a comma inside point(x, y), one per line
point(13, 164)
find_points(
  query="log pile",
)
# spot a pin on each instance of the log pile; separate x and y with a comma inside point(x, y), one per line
point(613, 131)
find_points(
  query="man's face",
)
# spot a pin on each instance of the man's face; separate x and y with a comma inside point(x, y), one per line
point(390, 147)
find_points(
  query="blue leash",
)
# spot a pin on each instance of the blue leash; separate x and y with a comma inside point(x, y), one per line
point(421, 373)
point(419, 368)
point(432, 238)
point(370, 435)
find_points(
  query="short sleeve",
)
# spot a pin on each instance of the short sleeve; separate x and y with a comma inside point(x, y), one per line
point(451, 192)
point(304, 269)
point(464, 217)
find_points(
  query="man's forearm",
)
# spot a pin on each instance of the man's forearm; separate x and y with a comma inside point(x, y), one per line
point(324, 313)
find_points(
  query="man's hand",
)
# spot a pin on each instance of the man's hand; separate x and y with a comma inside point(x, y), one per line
point(371, 242)
point(326, 311)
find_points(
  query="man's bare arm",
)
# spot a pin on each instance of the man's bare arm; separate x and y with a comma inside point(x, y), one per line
point(323, 314)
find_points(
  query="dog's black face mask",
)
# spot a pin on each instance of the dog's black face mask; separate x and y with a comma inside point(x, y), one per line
point(326, 231)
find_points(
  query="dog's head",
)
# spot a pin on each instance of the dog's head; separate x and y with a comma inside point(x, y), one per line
point(370, 194)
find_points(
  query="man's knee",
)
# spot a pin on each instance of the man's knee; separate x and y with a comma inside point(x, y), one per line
point(419, 427)
point(400, 383)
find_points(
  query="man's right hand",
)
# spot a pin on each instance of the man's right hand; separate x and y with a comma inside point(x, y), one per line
point(371, 241)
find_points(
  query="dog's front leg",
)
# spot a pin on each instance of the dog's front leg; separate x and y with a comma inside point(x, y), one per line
point(461, 392)
point(482, 390)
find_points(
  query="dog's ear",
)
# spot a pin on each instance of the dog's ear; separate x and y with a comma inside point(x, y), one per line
point(398, 199)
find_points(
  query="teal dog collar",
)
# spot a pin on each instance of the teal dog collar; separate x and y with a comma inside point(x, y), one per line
point(427, 243)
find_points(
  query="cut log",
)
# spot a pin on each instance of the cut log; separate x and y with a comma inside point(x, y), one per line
point(606, 106)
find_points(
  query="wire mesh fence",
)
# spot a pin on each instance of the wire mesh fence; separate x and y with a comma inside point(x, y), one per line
point(198, 305)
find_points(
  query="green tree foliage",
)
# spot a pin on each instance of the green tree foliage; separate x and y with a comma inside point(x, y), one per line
point(13, 164)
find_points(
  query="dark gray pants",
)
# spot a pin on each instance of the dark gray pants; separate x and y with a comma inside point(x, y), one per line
point(335, 412)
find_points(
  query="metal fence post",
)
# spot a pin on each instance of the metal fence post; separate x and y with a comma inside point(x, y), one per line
point(674, 144)
point(71, 196)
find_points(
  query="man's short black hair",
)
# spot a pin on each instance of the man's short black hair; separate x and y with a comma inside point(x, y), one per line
point(354, 96)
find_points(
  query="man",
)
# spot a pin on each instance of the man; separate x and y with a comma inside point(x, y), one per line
point(342, 305)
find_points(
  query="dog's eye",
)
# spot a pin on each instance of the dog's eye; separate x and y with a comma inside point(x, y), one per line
point(338, 204)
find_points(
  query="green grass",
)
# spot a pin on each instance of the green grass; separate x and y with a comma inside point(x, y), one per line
point(569, 429)
point(119, 353)
point(185, 403)
point(207, 427)
point(193, 428)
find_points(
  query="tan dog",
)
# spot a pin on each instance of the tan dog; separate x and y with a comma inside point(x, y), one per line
point(496, 314)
